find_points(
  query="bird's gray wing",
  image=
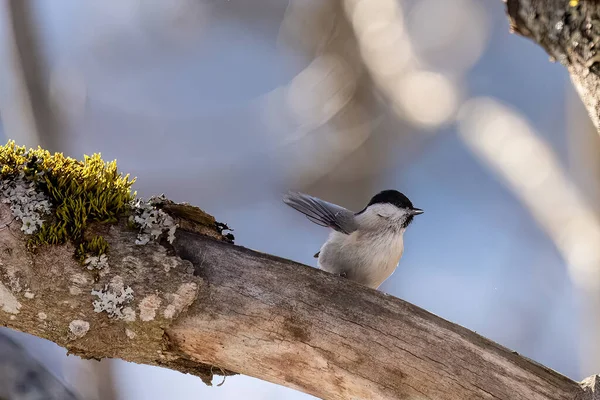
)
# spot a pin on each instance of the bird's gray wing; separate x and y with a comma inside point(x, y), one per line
point(321, 212)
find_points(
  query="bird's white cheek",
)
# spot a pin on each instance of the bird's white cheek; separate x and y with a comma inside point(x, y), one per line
point(389, 210)
point(381, 214)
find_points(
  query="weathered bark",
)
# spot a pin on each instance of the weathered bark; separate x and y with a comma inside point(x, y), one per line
point(569, 31)
point(206, 306)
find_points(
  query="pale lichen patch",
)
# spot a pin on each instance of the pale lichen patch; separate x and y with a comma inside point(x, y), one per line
point(79, 328)
point(96, 262)
point(8, 301)
point(42, 316)
point(128, 314)
point(130, 334)
point(113, 298)
point(14, 282)
point(79, 278)
point(75, 291)
point(148, 307)
point(27, 204)
point(152, 221)
point(180, 300)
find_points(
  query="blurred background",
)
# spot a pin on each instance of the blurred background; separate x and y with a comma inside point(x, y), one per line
point(227, 104)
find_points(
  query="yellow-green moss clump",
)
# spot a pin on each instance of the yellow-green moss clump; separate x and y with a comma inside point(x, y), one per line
point(81, 192)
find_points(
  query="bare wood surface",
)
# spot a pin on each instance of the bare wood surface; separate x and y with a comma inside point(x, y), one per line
point(207, 306)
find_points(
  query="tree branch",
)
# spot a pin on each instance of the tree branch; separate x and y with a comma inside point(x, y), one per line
point(206, 306)
point(88, 266)
point(569, 31)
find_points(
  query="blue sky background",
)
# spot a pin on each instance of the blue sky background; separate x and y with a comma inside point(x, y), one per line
point(189, 118)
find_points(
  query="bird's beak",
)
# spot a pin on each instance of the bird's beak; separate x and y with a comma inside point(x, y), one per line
point(416, 211)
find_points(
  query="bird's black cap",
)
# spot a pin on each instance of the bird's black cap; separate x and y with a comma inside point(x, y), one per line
point(392, 197)
point(396, 198)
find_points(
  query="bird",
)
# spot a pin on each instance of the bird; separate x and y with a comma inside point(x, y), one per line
point(364, 246)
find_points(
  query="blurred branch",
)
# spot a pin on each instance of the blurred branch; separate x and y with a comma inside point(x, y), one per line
point(16, 109)
point(30, 74)
point(569, 32)
point(505, 141)
point(22, 377)
point(334, 102)
point(206, 306)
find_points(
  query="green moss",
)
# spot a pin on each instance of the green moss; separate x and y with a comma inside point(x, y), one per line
point(96, 246)
point(82, 192)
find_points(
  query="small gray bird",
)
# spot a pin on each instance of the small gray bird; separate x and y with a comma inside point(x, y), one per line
point(366, 246)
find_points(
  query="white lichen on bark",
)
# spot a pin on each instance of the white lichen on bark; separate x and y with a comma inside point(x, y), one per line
point(96, 262)
point(152, 221)
point(79, 328)
point(27, 203)
point(113, 298)
point(8, 301)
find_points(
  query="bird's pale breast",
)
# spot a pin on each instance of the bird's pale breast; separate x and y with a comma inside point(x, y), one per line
point(368, 258)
